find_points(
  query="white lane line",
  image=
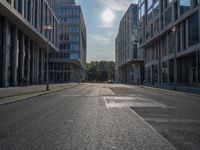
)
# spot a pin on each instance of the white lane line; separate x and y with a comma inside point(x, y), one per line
point(112, 93)
point(153, 129)
point(106, 103)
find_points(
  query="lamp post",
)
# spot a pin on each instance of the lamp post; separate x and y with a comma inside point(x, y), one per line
point(48, 27)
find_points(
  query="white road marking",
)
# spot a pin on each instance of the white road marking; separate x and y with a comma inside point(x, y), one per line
point(135, 101)
point(106, 103)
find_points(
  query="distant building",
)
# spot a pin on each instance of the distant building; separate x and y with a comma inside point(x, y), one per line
point(170, 35)
point(23, 41)
point(129, 59)
point(69, 64)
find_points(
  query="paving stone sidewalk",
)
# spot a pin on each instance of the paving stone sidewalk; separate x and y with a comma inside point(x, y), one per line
point(18, 91)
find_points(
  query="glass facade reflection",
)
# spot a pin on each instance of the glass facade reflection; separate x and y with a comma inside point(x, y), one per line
point(172, 32)
point(72, 43)
point(185, 5)
point(193, 29)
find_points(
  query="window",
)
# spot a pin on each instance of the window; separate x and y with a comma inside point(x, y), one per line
point(196, 2)
point(164, 46)
point(193, 29)
point(156, 8)
point(184, 5)
point(176, 11)
point(156, 26)
point(74, 47)
point(135, 49)
point(74, 56)
point(171, 42)
point(183, 30)
point(168, 16)
point(75, 37)
point(150, 2)
point(164, 72)
point(142, 10)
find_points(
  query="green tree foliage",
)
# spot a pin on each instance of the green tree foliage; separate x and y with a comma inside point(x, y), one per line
point(100, 71)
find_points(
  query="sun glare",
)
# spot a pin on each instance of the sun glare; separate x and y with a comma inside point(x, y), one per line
point(108, 16)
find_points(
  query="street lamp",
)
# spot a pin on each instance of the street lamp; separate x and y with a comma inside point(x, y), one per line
point(47, 27)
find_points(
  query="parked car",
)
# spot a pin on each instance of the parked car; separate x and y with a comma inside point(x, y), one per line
point(110, 81)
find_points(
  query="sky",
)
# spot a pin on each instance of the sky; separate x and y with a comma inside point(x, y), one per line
point(102, 18)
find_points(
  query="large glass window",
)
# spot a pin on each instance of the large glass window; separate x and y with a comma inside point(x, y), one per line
point(156, 26)
point(74, 56)
point(74, 47)
point(168, 16)
point(75, 37)
point(164, 72)
point(142, 10)
point(193, 29)
point(185, 5)
point(156, 8)
point(171, 42)
point(164, 46)
point(150, 2)
point(196, 2)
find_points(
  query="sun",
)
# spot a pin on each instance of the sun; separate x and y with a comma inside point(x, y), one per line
point(108, 16)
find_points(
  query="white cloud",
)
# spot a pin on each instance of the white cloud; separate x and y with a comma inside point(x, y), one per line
point(118, 5)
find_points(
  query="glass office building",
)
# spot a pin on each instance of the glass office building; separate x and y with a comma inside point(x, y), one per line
point(69, 64)
point(129, 59)
point(169, 34)
point(23, 40)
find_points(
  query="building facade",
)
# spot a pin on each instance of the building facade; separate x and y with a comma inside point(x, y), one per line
point(129, 59)
point(169, 32)
point(23, 40)
point(68, 65)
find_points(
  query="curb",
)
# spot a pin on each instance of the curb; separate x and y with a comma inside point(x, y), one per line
point(168, 90)
point(40, 93)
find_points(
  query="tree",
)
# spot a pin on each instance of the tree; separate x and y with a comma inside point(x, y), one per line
point(100, 71)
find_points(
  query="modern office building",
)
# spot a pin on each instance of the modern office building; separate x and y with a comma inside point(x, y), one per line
point(170, 35)
point(129, 59)
point(68, 65)
point(23, 40)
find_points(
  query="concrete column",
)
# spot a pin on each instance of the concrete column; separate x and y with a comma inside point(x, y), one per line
point(12, 2)
point(187, 40)
point(38, 14)
point(161, 56)
point(32, 12)
point(175, 71)
point(16, 4)
point(23, 14)
point(37, 64)
point(15, 57)
point(159, 62)
point(197, 68)
point(175, 59)
point(42, 66)
point(28, 61)
point(32, 63)
point(168, 70)
point(22, 56)
point(5, 52)
point(181, 37)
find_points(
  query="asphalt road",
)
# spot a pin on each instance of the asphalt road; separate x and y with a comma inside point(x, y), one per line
point(101, 116)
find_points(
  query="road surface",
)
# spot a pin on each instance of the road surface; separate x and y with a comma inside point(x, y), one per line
point(102, 117)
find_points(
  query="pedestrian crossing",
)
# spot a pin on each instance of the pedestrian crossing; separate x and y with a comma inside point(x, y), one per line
point(131, 101)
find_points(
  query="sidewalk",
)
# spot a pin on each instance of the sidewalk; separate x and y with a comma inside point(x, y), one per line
point(182, 89)
point(12, 94)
